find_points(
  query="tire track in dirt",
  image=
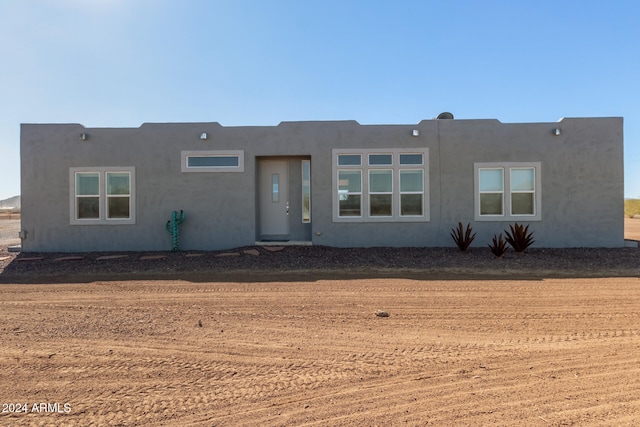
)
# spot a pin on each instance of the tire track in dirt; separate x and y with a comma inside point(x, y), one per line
point(439, 400)
point(473, 353)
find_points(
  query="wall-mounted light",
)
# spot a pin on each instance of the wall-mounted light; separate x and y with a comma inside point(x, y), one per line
point(203, 136)
point(557, 132)
point(415, 132)
point(84, 136)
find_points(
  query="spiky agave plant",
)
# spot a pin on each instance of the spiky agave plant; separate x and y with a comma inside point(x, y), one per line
point(498, 246)
point(462, 238)
point(519, 238)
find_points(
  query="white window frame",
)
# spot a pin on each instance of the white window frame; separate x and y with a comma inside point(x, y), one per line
point(506, 167)
point(401, 193)
point(349, 193)
point(365, 169)
point(102, 196)
point(185, 168)
point(381, 193)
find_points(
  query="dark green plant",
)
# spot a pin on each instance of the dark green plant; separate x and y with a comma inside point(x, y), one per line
point(462, 238)
point(498, 247)
point(519, 238)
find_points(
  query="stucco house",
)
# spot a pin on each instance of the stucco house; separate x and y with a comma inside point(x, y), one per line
point(334, 183)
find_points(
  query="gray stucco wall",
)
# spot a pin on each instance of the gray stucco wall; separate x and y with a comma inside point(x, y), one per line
point(581, 174)
point(582, 181)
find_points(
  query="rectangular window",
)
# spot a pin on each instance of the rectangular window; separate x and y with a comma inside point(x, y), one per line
point(523, 191)
point(491, 191)
point(350, 193)
point(306, 191)
point(275, 188)
point(118, 195)
point(349, 160)
point(507, 191)
point(411, 192)
point(212, 161)
point(102, 196)
point(380, 192)
point(87, 195)
point(389, 187)
point(380, 159)
point(411, 159)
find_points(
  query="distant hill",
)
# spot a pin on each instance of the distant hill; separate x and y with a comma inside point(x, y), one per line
point(11, 202)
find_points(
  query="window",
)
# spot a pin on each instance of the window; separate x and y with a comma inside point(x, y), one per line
point(306, 191)
point(213, 161)
point(411, 159)
point(491, 191)
point(380, 159)
point(507, 191)
point(350, 193)
point(87, 195)
point(275, 188)
point(380, 192)
point(349, 159)
point(118, 195)
point(389, 186)
point(411, 192)
point(102, 196)
point(523, 191)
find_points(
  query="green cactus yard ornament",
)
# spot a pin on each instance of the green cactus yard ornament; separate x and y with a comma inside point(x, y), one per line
point(173, 229)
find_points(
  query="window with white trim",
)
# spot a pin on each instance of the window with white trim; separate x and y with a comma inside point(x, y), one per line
point(380, 192)
point(507, 191)
point(101, 196)
point(380, 185)
point(411, 192)
point(350, 193)
point(212, 161)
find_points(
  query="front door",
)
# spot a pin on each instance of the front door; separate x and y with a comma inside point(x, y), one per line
point(274, 199)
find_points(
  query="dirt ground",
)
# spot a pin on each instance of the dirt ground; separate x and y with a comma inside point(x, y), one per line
point(632, 228)
point(158, 353)
point(299, 350)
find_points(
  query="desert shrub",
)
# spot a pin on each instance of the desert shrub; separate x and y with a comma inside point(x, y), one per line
point(631, 207)
point(462, 238)
point(519, 238)
point(498, 246)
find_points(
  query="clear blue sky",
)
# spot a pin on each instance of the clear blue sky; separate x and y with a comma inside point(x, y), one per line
point(120, 63)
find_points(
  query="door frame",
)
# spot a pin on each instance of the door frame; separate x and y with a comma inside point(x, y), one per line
point(299, 230)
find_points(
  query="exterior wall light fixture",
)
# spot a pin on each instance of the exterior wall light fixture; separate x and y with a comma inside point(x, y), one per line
point(203, 136)
point(84, 136)
point(557, 132)
point(416, 132)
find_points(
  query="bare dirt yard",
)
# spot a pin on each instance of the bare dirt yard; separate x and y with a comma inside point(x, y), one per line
point(632, 228)
point(531, 340)
point(452, 352)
